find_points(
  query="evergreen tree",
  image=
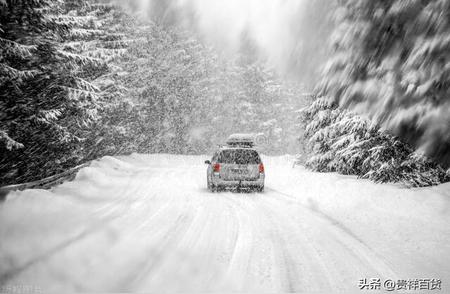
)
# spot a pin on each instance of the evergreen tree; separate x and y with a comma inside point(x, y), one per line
point(390, 62)
point(343, 142)
point(44, 93)
point(84, 79)
point(103, 31)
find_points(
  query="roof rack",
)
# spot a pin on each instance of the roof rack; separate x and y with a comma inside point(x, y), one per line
point(241, 140)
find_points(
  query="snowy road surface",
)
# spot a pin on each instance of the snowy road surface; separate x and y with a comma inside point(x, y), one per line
point(147, 223)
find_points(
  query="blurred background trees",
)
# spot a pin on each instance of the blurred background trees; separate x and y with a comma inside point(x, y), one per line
point(390, 62)
point(84, 79)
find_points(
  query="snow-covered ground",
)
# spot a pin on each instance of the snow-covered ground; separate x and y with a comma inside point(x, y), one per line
point(147, 223)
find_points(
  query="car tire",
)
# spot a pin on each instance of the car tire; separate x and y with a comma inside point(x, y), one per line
point(211, 187)
point(260, 189)
point(208, 184)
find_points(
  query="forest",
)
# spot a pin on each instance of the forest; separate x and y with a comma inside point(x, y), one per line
point(383, 111)
point(84, 79)
point(81, 79)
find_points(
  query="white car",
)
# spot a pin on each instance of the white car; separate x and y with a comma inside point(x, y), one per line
point(236, 166)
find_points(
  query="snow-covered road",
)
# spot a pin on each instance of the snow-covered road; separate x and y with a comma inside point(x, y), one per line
point(147, 223)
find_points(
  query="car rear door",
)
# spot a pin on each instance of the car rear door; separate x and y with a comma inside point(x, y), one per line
point(239, 164)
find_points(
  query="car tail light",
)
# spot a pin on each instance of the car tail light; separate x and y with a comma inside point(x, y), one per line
point(261, 168)
point(216, 168)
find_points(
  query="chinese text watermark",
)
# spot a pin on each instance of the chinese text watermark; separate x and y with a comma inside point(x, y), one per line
point(20, 289)
point(394, 285)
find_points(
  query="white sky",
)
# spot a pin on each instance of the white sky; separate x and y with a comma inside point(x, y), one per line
point(290, 34)
point(268, 21)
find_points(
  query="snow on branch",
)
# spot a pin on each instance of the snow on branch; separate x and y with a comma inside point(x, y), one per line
point(14, 48)
point(9, 142)
point(8, 72)
point(79, 59)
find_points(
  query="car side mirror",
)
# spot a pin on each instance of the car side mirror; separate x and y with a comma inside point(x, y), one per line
point(207, 162)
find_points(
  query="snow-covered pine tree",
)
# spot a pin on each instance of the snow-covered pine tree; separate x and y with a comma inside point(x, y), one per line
point(341, 141)
point(45, 96)
point(426, 79)
point(390, 63)
point(104, 31)
point(97, 28)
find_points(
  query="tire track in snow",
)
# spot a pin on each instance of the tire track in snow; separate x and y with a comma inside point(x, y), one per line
point(155, 253)
point(346, 237)
point(302, 263)
point(272, 248)
point(161, 247)
point(195, 261)
point(241, 253)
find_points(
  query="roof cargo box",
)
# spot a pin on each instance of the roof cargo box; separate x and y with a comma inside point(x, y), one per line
point(241, 140)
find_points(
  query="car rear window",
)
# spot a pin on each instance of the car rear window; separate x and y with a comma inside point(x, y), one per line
point(239, 156)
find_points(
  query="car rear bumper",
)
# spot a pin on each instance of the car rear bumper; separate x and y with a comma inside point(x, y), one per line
point(218, 182)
